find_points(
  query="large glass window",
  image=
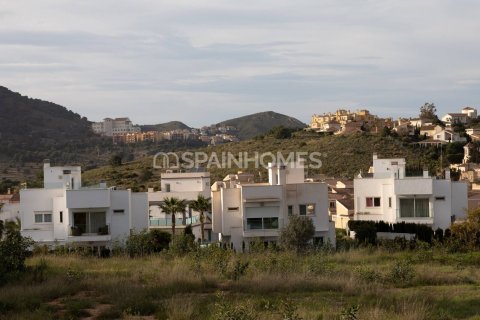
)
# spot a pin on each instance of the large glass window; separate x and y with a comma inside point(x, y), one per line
point(414, 208)
point(254, 223)
point(262, 223)
point(270, 223)
point(89, 222)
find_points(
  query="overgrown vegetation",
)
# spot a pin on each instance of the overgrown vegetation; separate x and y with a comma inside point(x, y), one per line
point(214, 283)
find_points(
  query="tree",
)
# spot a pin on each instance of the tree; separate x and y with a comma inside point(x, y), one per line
point(468, 232)
point(116, 160)
point(297, 234)
point(159, 240)
point(13, 251)
point(172, 206)
point(428, 111)
point(201, 205)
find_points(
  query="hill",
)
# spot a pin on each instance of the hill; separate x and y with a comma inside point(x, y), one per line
point(260, 123)
point(342, 156)
point(33, 129)
point(167, 126)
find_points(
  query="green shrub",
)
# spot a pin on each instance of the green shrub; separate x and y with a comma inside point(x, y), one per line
point(13, 252)
point(402, 273)
point(288, 310)
point(227, 311)
point(367, 274)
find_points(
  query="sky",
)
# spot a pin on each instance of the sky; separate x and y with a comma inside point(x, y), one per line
point(204, 61)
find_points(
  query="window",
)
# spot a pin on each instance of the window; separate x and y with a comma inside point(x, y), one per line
point(61, 216)
point(333, 204)
point(254, 223)
point(302, 210)
point(414, 208)
point(390, 202)
point(439, 198)
point(38, 218)
point(167, 187)
point(43, 217)
point(232, 208)
point(311, 209)
point(373, 202)
point(262, 223)
point(67, 171)
point(89, 222)
point(119, 211)
point(290, 210)
point(270, 223)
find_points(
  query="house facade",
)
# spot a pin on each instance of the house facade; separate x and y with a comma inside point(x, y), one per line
point(184, 186)
point(244, 211)
point(65, 213)
point(392, 196)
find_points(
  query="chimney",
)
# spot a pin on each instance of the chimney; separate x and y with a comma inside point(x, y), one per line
point(375, 156)
point(425, 172)
point(46, 163)
point(9, 191)
point(447, 174)
point(282, 175)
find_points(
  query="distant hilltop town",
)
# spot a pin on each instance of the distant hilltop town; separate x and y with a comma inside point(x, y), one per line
point(435, 130)
point(123, 131)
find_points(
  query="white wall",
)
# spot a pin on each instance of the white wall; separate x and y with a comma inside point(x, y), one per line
point(57, 177)
point(119, 223)
point(139, 211)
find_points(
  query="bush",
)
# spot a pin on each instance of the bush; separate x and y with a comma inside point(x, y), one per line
point(13, 252)
point(402, 273)
point(139, 244)
point(160, 240)
point(182, 244)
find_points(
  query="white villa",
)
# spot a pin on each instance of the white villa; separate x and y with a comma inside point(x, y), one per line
point(392, 196)
point(184, 186)
point(463, 117)
point(63, 212)
point(244, 211)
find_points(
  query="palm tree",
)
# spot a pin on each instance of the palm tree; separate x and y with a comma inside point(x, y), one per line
point(172, 206)
point(201, 205)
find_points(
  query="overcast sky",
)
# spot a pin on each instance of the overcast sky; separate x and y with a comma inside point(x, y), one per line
point(203, 61)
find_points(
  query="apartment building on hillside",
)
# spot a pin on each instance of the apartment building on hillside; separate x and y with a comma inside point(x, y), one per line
point(114, 127)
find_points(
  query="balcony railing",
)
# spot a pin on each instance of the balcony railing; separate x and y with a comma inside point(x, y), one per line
point(167, 221)
point(78, 231)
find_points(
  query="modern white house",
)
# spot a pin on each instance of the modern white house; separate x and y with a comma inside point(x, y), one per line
point(391, 195)
point(244, 211)
point(62, 212)
point(184, 186)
